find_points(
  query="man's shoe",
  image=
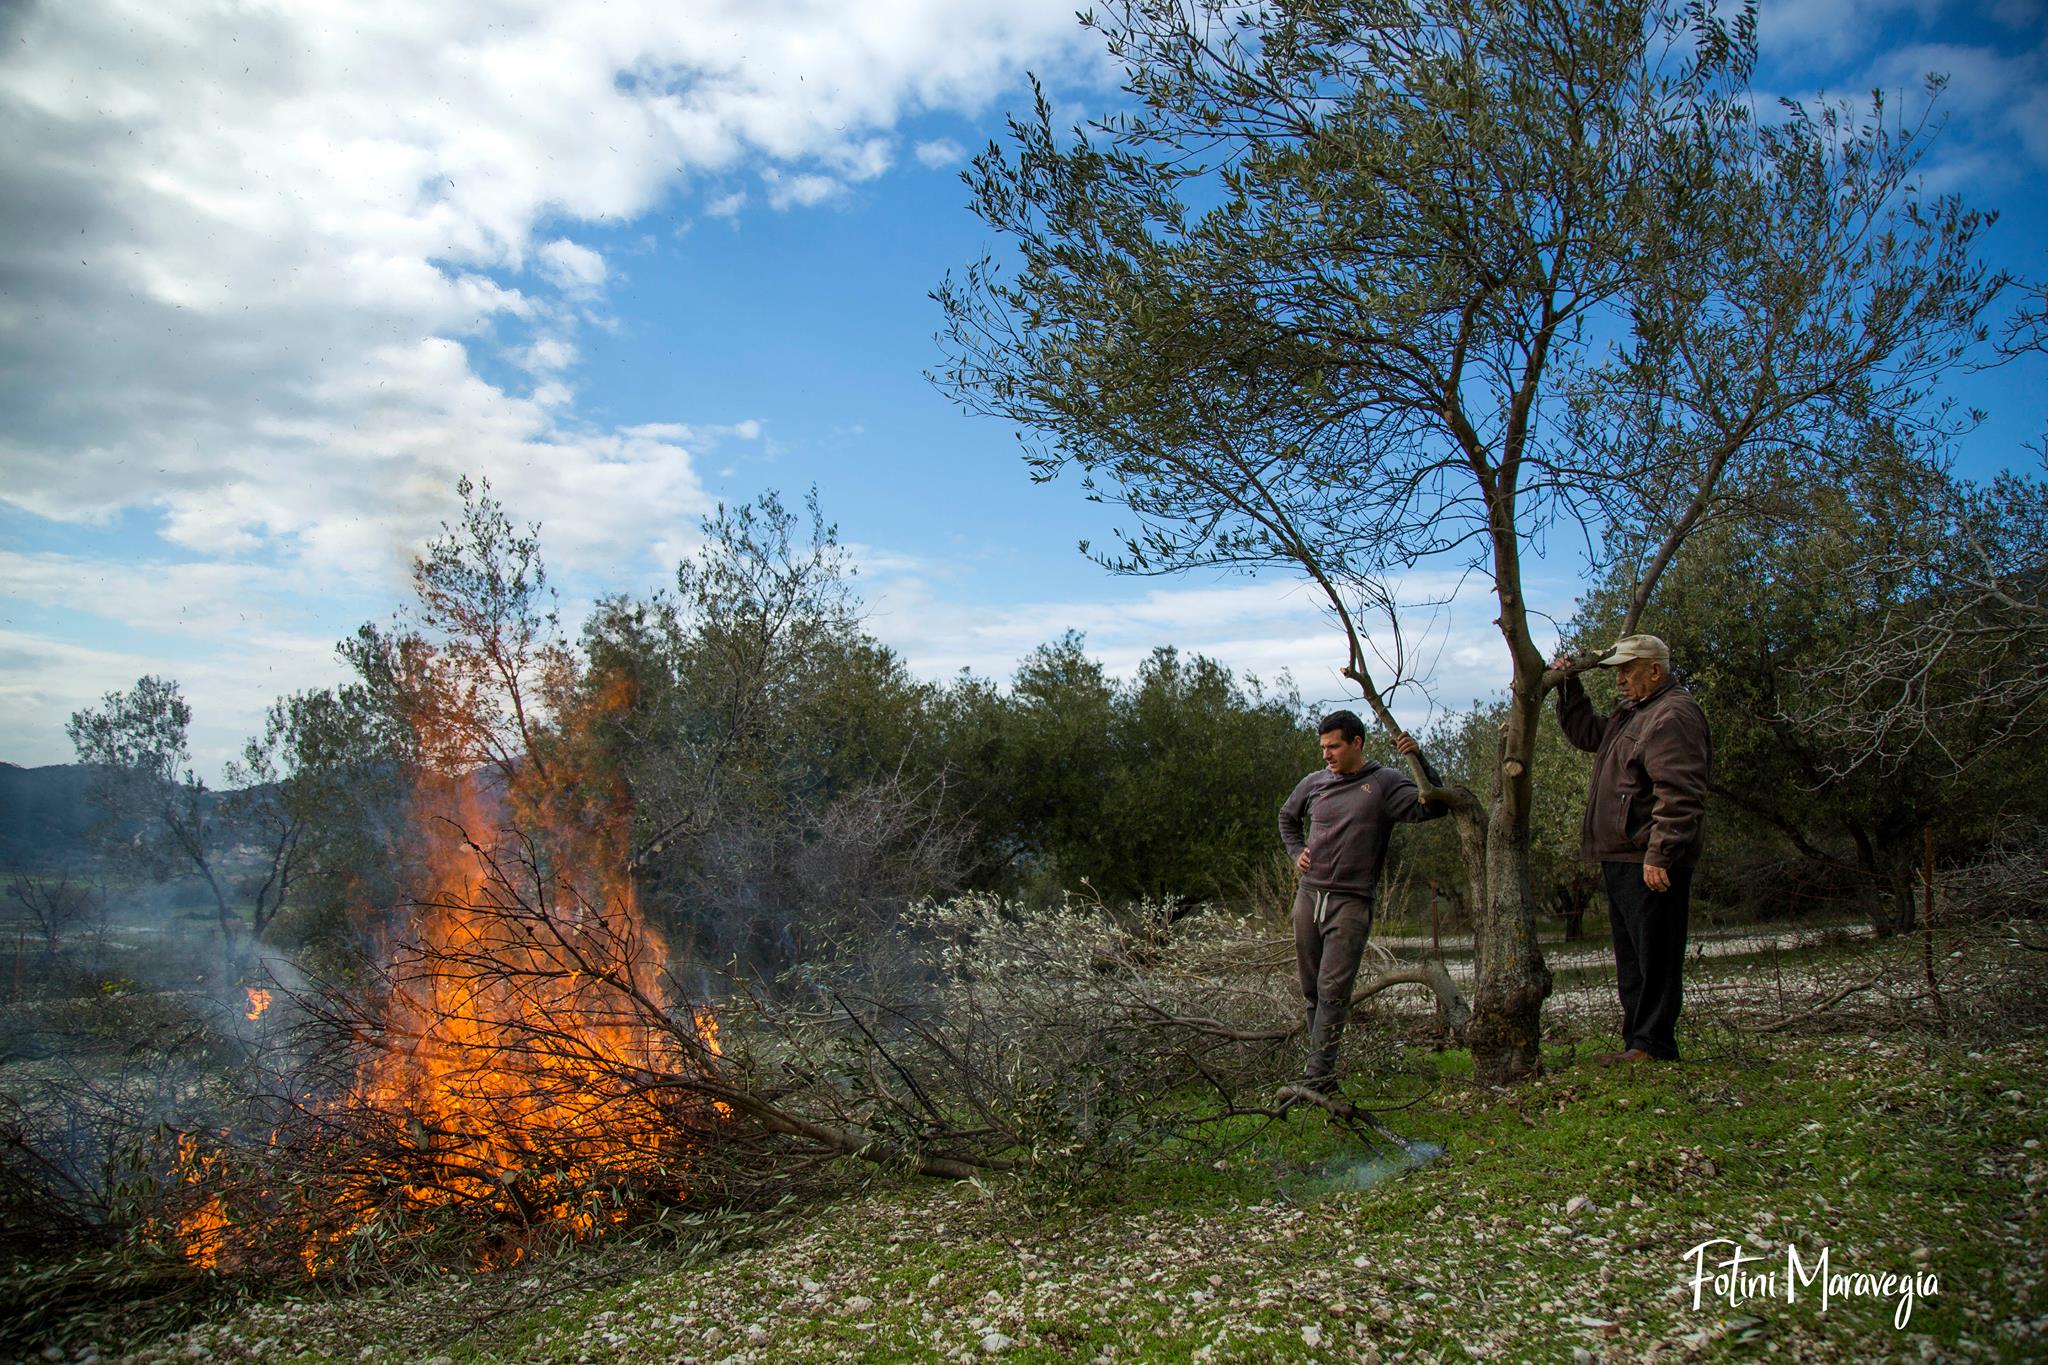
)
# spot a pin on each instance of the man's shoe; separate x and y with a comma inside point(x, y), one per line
point(1634, 1054)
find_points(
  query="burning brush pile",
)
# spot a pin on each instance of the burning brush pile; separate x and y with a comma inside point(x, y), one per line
point(526, 1071)
point(518, 1064)
point(513, 1063)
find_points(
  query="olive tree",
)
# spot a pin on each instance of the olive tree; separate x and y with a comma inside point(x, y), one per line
point(786, 783)
point(1353, 286)
point(1872, 664)
point(1945, 672)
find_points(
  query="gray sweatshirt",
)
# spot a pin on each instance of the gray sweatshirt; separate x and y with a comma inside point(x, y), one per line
point(1351, 819)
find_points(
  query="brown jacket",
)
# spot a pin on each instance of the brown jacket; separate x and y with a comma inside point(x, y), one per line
point(1648, 799)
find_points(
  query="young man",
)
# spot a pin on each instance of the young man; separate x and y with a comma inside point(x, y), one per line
point(1645, 818)
point(1351, 807)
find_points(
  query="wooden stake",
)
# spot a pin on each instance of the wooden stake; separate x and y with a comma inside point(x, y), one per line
point(1927, 924)
point(1436, 942)
point(1436, 946)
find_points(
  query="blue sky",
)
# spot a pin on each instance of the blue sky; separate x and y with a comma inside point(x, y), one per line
point(273, 275)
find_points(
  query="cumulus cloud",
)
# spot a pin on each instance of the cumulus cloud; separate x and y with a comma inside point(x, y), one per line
point(570, 266)
point(863, 161)
point(940, 153)
point(265, 272)
point(1983, 133)
point(1817, 34)
point(805, 190)
point(256, 259)
point(547, 354)
point(1997, 94)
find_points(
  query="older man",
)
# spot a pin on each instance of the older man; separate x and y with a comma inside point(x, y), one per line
point(1645, 816)
point(1350, 807)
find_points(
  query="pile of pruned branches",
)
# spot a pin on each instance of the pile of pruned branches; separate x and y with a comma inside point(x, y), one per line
point(2006, 887)
point(1062, 1038)
point(981, 1036)
point(1974, 967)
point(548, 1074)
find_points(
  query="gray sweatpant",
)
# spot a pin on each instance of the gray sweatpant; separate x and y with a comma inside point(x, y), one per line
point(1330, 930)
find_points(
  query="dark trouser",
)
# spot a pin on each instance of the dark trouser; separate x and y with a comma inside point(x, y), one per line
point(1649, 954)
point(1326, 954)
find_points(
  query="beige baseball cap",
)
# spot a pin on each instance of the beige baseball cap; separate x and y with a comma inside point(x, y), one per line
point(1636, 647)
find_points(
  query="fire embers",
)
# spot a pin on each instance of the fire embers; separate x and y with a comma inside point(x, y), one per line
point(202, 1231)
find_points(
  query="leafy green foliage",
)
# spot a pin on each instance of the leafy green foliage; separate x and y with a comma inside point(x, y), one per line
point(1164, 786)
point(784, 773)
point(1356, 286)
point(143, 780)
point(1768, 619)
point(321, 789)
point(468, 674)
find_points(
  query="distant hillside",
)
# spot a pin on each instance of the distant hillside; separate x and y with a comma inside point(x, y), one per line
point(44, 815)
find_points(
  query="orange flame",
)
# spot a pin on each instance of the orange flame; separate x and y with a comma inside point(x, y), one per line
point(525, 1005)
point(259, 1001)
point(522, 1014)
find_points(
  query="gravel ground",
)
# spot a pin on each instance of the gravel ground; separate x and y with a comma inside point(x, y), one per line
point(1555, 1229)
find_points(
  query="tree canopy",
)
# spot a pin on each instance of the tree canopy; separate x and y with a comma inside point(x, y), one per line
point(1353, 286)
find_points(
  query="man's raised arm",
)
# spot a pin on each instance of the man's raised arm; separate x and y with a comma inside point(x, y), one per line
point(1582, 725)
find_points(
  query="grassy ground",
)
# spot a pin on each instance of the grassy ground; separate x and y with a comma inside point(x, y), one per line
point(1556, 1226)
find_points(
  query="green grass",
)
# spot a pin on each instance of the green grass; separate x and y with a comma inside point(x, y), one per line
point(1895, 1154)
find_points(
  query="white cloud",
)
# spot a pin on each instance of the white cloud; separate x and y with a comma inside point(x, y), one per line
point(1996, 94)
point(863, 161)
point(727, 205)
point(1817, 34)
point(806, 190)
point(570, 266)
point(234, 234)
point(940, 153)
point(547, 354)
point(1982, 135)
point(260, 260)
point(213, 597)
point(43, 680)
